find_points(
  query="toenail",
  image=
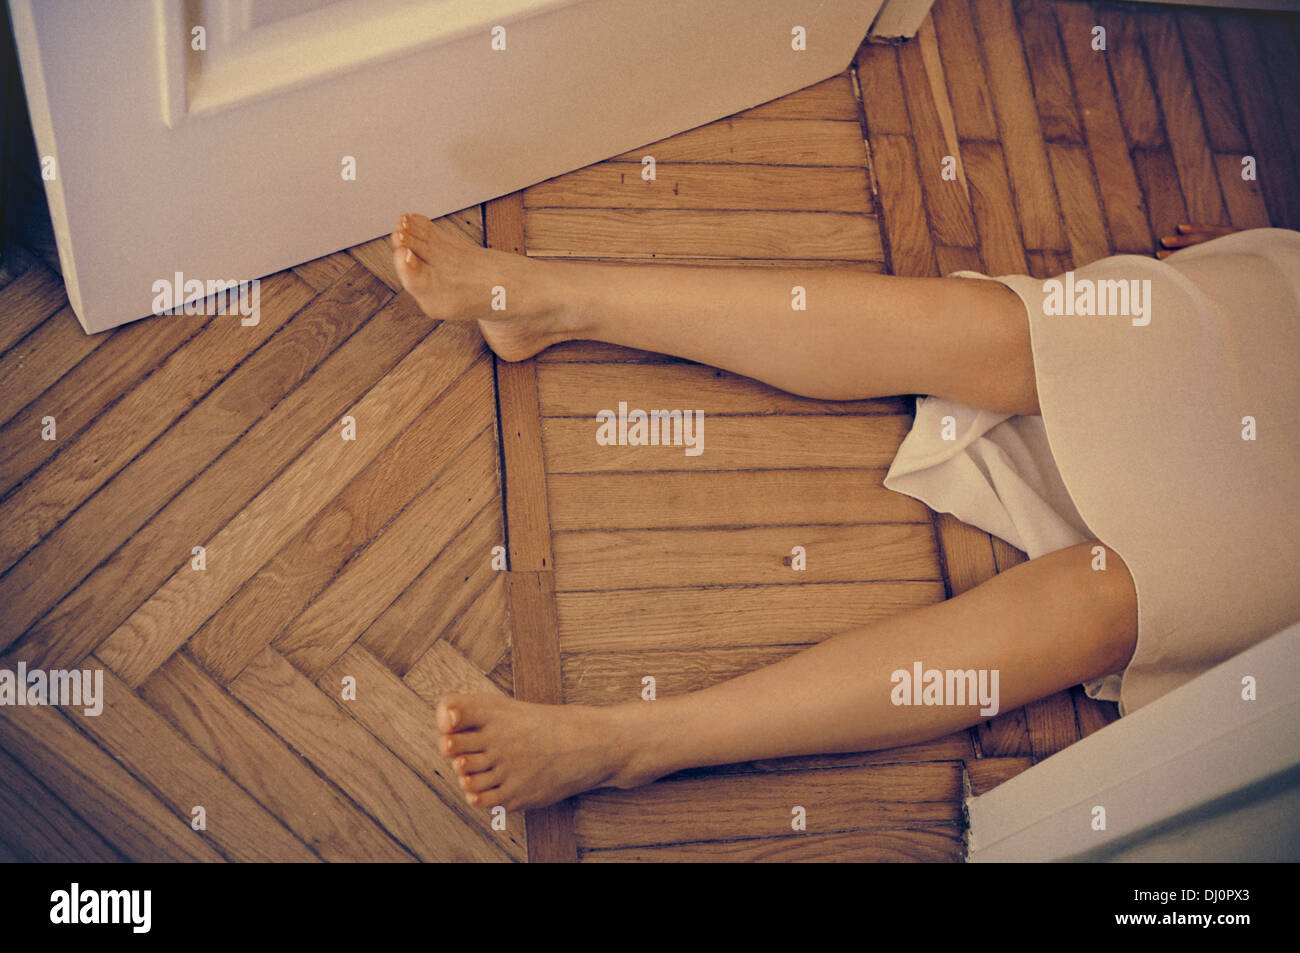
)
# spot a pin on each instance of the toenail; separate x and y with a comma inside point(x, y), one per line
point(409, 256)
point(454, 715)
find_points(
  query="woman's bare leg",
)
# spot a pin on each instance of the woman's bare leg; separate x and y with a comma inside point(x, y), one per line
point(862, 335)
point(1043, 625)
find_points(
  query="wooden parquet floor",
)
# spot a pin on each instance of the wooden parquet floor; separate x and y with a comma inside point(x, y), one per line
point(371, 563)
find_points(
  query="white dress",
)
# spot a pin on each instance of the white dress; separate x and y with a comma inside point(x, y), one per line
point(1172, 436)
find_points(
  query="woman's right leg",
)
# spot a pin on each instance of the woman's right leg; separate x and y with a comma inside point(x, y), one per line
point(862, 334)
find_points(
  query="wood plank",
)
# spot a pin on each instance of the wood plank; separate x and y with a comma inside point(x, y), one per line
point(1121, 197)
point(1085, 223)
point(650, 233)
point(1020, 131)
point(37, 361)
point(583, 390)
point(764, 141)
point(110, 444)
point(625, 620)
point(503, 676)
point(726, 498)
point(725, 808)
point(1187, 139)
point(444, 670)
point(832, 98)
point(701, 186)
point(1053, 90)
point(322, 272)
point(283, 587)
point(530, 587)
point(1051, 724)
point(911, 249)
point(27, 301)
point(1134, 90)
point(1156, 171)
point(881, 85)
point(445, 589)
point(175, 611)
point(1049, 264)
point(1092, 715)
point(527, 523)
point(537, 675)
point(705, 557)
point(1006, 736)
point(261, 763)
point(960, 52)
point(341, 749)
point(183, 778)
point(951, 222)
point(958, 259)
point(921, 845)
point(985, 774)
point(1282, 56)
point(736, 443)
point(371, 582)
point(1005, 555)
point(404, 722)
point(967, 553)
point(110, 449)
point(1205, 62)
point(121, 809)
point(40, 828)
point(1000, 242)
point(116, 587)
point(482, 632)
point(1244, 198)
point(1253, 84)
point(613, 678)
point(125, 356)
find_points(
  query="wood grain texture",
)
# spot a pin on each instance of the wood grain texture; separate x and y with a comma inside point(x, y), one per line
point(264, 766)
point(726, 498)
point(688, 233)
point(1018, 125)
point(1121, 197)
point(735, 443)
point(530, 588)
point(759, 555)
point(391, 711)
point(633, 619)
point(322, 731)
point(727, 807)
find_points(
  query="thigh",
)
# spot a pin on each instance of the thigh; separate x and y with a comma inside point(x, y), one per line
point(1048, 623)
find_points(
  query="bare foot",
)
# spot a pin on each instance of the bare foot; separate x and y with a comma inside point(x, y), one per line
point(521, 755)
point(1189, 235)
point(455, 280)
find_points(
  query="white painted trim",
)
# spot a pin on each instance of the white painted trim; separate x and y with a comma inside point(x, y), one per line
point(242, 178)
point(1198, 753)
point(900, 18)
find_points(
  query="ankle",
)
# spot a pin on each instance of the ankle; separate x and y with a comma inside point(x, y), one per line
point(560, 300)
point(643, 745)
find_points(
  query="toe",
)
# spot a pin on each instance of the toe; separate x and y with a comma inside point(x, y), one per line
point(463, 742)
point(468, 764)
point(485, 799)
point(459, 713)
point(483, 781)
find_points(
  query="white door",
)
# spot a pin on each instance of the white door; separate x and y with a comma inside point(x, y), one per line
point(222, 140)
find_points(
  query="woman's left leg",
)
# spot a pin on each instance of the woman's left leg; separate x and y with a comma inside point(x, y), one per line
point(1043, 626)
